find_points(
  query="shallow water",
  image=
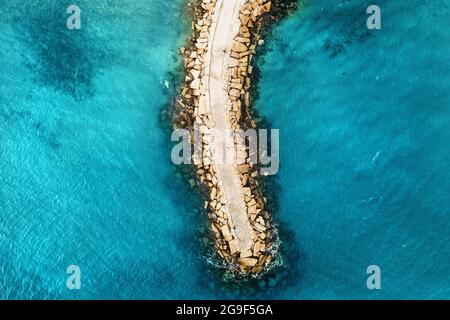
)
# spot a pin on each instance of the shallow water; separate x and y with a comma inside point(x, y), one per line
point(86, 178)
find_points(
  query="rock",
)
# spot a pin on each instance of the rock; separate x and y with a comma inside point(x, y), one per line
point(244, 19)
point(259, 227)
point(247, 99)
point(233, 247)
point(203, 45)
point(252, 211)
point(266, 7)
point(190, 64)
point(257, 248)
point(261, 221)
point(232, 62)
point(244, 168)
point(195, 84)
point(214, 228)
point(262, 247)
point(242, 40)
point(234, 54)
point(246, 254)
point(195, 73)
point(248, 262)
point(244, 30)
point(257, 269)
point(227, 233)
point(235, 93)
point(208, 6)
point(245, 53)
point(237, 86)
point(261, 260)
point(213, 193)
point(238, 47)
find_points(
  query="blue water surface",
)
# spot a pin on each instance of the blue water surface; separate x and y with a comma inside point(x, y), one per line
point(86, 177)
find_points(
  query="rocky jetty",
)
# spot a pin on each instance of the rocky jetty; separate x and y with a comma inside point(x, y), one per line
point(250, 253)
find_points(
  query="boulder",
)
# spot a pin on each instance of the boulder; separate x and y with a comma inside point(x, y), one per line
point(247, 191)
point(232, 62)
point(246, 254)
point(244, 19)
point(259, 227)
point(248, 262)
point(244, 168)
point(235, 93)
point(242, 40)
point(213, 193)
point(233, 247)
point(256, 248)
point(226, 233)
point(195, 84)
point(252, 211)
point(195, 73)
point(266, 7)
point(238, 47)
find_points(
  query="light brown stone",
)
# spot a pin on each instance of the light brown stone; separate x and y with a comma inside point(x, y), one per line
point(244, 19)
point(213, 193)
point(267, 6)
point(195, 84)
point(238, 47)
point(248, 262)
point(233, 247)
point(235, 93)
point(227, 233)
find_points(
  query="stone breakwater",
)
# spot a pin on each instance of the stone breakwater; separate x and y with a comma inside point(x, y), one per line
point(216, 96)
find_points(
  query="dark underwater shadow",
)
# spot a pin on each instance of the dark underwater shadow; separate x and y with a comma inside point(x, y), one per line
point(65, 60)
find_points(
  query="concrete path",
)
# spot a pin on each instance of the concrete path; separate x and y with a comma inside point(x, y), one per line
point(225, 27)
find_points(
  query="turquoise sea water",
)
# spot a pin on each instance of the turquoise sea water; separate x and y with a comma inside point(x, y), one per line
point(86, 178)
